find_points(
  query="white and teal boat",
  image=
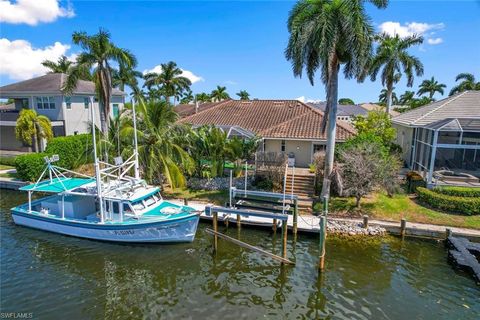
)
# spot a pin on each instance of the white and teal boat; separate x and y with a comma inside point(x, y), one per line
point(111, 207)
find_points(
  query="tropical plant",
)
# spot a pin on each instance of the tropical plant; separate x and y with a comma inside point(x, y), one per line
point(187, 97)
point(469, 83)
point(170, 80)
point(31, 128)
point(431, 87)
point(392, 55)
point(160, 154)
point(126, 76)
point(203, 97)
point(416, 103)
point(345, 101)
point(383, 97)
point(324, 35)
point(219, 94)
point(209, 150)
point(99, 52)
point(243, 95)
point(63, 65)
point(376, 123)
point(406, 98)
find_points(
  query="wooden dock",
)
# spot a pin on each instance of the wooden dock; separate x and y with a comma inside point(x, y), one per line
point(465, 255)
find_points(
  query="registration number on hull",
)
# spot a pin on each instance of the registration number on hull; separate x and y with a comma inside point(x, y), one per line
point(124, 232)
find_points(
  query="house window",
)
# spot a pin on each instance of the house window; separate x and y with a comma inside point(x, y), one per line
point(282, 147)
point(115, 110)
point(68, 102)
point(45, 102)
point(86, 102)
point(318, 148)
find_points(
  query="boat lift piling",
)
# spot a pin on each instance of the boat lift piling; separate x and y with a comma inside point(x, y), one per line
point(213, 212)
point(323, 234)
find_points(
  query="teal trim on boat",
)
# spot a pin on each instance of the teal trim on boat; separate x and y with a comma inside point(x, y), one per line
point(56, 185)
point(145, 196)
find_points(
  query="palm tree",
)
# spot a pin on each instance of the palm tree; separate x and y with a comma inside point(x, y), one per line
point(160, 152)
point(392, 55)
point(383, 97)
point(406, 98)
point(324, 35)
point(219, 94)
point(169, 80)
point(243, 95)
point(468, 83)
point(431, 87)
point(187, 97)
point(203, 97)
point(62, 65)
point(99, 52)
point(31, 128)
point(125, 76)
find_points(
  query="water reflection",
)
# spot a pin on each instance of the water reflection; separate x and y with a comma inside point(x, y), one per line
point(60, 277)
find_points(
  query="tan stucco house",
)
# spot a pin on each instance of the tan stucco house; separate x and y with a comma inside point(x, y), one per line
point(285, 126)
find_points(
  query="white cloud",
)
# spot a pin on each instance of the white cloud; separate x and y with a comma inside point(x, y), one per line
point(20, 61)
point(305, 100)
point(185, 73)
point(434, 41)
point(410, 28)
point(231, 83)
point(32, 12)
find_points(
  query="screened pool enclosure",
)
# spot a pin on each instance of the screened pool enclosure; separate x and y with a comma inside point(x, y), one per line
point(448, 151)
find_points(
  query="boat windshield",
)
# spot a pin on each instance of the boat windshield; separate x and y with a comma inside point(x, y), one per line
point(147, 202)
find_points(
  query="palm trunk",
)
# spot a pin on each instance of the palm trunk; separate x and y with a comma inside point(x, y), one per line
point(35, 142)
point(332, 97)
point(389, 97)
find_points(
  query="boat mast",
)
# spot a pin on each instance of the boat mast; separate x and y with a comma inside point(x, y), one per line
point(137, 174)
point(97, 166)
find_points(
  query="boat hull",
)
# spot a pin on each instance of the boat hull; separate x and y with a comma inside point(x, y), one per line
point(177, 230)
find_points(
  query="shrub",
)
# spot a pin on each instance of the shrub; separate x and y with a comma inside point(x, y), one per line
point(464, 205)
point(7, 161)
point(414, 180)
point(30, 166)
point(72, 150)
point(459, 191)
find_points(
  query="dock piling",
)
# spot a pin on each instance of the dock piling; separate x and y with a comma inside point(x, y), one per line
point(215, 228)
point(239, 219)
point(365, 221)
point(284, 238)
point(403, 226)
point(323, 233)
point(274, 226)
point(448, 233)
point(295, 217)
point(185, 201)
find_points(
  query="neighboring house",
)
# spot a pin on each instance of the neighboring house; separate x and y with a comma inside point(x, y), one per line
point(377, 107)
point(69, 114)
point(442, 140)
point(344, 112)
point(285, 126)
point(185, 110)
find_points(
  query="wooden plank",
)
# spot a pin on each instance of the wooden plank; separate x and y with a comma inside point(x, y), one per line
point(272, 195)
point(248, 246)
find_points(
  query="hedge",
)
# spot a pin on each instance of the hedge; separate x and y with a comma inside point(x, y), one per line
point(72, 150)
point(7, 161)
point(30, 166)
point(459, 191)
point(463, 205)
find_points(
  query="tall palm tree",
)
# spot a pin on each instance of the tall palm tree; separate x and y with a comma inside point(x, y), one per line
point(468, 83)
point(187, 97)
point(219, 94)
point(169, 80)
point(431, 87)
point(243, 95)
point(203, 97)
point(383, 97)
point(62, 65)
point(324, 35)
point(125, 76)
point(158, 146)
point(99, 52)
point(31, 128)
point(392, 55)
point(406, 98)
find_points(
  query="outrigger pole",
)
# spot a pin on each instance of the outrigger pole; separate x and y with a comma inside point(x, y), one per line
point(97, 166)
point(135, 141)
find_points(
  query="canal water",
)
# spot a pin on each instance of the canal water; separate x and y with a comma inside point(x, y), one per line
point(58, 277)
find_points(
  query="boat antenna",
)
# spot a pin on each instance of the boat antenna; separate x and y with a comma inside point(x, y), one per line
point(97, 166)
point(137, 174)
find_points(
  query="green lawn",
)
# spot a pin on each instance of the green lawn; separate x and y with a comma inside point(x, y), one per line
point(9, 175)
point(5, 167)
point(380, 206)
point(216, 197)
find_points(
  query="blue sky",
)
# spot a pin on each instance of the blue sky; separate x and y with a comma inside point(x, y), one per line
point(238, 44)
